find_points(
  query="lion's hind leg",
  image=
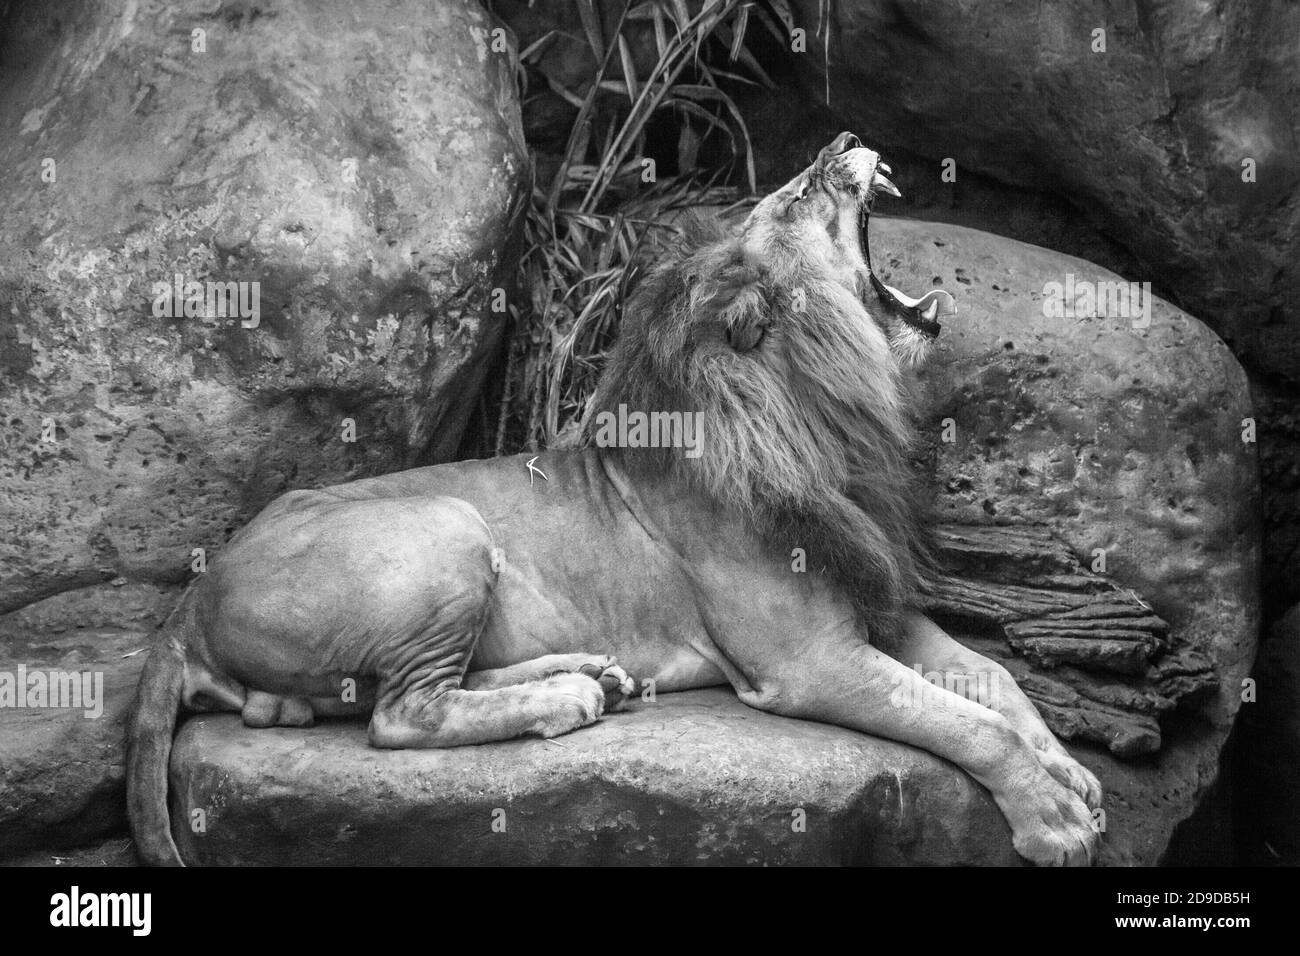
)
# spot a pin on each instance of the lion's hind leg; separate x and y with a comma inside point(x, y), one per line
point(453, 717)
point(618, 686)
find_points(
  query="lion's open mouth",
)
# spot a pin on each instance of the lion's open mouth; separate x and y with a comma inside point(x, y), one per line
point(921, 314)
point(865, 166)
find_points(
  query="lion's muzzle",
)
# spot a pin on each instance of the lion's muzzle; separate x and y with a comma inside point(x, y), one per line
point(863, 165)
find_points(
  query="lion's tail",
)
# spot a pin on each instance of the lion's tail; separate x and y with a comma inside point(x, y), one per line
point(149, 741)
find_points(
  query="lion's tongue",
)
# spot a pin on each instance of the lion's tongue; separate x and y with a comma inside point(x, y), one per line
point(882, 183)
point(922, 314)
point(929, 307)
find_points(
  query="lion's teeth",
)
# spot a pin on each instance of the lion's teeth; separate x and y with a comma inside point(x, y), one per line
point(884, 166)
point(880, 182)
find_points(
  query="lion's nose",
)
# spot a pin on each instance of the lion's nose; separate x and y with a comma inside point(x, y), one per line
point(839, 146)
point(842, 144)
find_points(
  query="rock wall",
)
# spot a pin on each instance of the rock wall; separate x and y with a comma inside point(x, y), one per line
point(360, 169)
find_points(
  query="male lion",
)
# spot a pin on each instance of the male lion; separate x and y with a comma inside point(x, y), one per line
point(482, 600)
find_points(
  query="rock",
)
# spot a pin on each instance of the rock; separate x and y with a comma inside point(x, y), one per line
point(62, 774)
point(1117, 438)
point(117, 606)
point(364, 167)
point(1066, 632)
point(116, 850)
point(1149, 134)
point(1270, 737)
point(696, 777)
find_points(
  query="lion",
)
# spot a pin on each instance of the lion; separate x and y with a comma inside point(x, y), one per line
point(479, 601)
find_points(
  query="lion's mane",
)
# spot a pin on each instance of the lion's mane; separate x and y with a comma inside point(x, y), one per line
point(805, 435)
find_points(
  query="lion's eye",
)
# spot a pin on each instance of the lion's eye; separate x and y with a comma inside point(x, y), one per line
point(794, 200)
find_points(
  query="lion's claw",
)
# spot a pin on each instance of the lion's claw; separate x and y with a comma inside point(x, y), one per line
point(1073, 775)
point(575, 700)
point(1057, 833)
point(615, 682)
point(1050, 823)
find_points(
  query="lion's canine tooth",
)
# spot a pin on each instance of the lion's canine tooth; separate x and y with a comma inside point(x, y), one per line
point(885, 167)
point(882, 183)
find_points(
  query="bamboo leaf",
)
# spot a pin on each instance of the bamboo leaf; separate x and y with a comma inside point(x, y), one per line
point(643, 11)
point(629, 68)
point(526, 54)
point(567, 95)
point(738, 37)
point(741, 54)
point(783, 38)
point(661, 30)
point(590, 18)
point(681, 14)
point(698, 91)
point(782, 10)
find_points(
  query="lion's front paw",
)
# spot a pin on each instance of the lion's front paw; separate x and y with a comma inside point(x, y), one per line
point(1051, 826)
point(1068, 772)
point(568, 701)
point(618, 686)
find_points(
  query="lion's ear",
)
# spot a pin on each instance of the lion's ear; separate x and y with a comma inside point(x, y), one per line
point(746, 317)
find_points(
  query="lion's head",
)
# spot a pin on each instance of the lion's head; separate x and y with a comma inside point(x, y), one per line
point(816, 225)
point(776, 333)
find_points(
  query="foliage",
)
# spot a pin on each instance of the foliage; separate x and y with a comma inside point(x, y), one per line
point(598, 217)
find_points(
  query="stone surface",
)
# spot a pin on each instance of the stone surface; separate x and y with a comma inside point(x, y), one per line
point(1102, 666)
point(1270, 742)
point(113, 851)
point(1117, 438)
point(1149, 135)
point(690, 778)
point(363, 164)
point(62, 774)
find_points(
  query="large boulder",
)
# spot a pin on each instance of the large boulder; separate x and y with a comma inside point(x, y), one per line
point(1123, 435)
point(1104, 435)
point(1146, 124)
point(695, 777)
point(62, 768)
point(1270, 759)
point(361, 168)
